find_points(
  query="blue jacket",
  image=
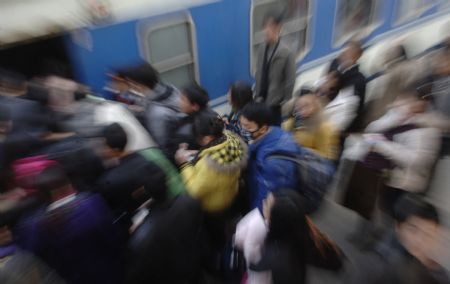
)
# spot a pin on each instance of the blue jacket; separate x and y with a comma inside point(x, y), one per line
point(268, 175)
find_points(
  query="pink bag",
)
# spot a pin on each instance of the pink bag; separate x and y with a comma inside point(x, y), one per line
point(27, 169)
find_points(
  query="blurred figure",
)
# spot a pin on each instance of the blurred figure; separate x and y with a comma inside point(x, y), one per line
point(161, 104)
point(291, 243)
point(212, 174)
point(397, 72)
point(346, 64)
point(194, 100)
point(275, 71)
point(26, 115)
point(266, 175)
point(73, 233)
point(86, 115)
point(122, 185)
point(340, 103)
point(408, 254)
point(5, 128)
point(166, 247)
point(239, 95)
point(404, 145)
point(212, 177)
point(21, 267)
point(311, 128)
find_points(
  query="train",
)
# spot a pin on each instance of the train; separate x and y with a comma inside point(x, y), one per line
point(214, 42)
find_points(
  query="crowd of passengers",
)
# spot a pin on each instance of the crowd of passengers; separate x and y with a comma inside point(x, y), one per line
point(154, 186)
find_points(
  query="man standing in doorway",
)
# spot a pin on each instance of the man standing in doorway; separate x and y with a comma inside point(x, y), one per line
point(275, 72)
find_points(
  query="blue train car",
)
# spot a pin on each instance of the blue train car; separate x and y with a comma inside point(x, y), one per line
point(213, 42)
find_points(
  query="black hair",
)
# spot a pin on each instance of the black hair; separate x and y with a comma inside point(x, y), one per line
point(51, 178)
point(143, 74)
point(196, 95)
point(275, 16)
point(258, 113)
point(413, 205)
point(241, 94)
point(115, 136)
point(208, 123)
point(5, 113)
point(288, 220)
point(11, 79)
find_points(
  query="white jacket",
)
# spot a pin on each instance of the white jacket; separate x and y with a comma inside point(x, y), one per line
point(250, 235)
point(413, 152)
point(342, 110)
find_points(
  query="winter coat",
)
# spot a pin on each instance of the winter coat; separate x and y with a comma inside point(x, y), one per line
point(213, 178)
point(322, 138)
point(343, 109)
point(412, 152)
point(165, 248)
point(267, 175)
point(161, 113)
point(76, 238)
point(281, 75)
point(147, 167)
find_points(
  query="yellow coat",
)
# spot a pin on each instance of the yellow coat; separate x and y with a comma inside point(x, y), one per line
point(323, 139)
point(214, 178)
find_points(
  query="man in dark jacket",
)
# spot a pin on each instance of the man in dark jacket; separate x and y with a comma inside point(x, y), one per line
point(166, 247)
point(161, 105)
point(275, 69)
point(123, 184)
point(348, 69)
point(408, 255)
point(194, 100)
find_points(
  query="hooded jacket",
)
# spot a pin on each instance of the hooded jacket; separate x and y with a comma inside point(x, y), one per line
point(214, 177)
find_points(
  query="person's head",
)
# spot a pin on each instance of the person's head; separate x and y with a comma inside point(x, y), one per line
point(207, 127)
point(5, 120)
point(141, 76)
point(352, 53)
point(53, 183)
point(307, 105)
point(272, 27)
point(239, 95)
point(12, 83)
point(256, 118)
point(61, 93)
point(417, 225)
point(115, 140)
point(284, 212)
point(193, 99)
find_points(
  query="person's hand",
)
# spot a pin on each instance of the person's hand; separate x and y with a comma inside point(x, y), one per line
point(373, 138)
point(183, 155)
point(225, 120)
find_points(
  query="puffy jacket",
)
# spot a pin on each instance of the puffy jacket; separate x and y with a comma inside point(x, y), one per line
point(266, 175)
point(214, 177)
point(161, 113)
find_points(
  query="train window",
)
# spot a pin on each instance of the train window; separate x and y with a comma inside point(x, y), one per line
point(408, 10)
point(169, 47)
point(295, 23)
point(353, 18)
